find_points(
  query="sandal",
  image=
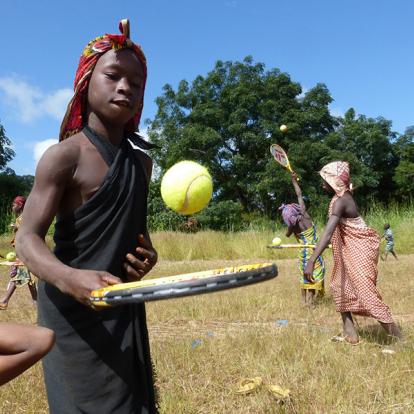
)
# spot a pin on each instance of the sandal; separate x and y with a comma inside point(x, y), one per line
point(347, 339)
point(248, 385)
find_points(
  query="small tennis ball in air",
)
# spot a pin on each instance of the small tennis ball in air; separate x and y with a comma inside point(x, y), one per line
point(277, 241)
point(283, 128)
point(11, 256)
point(186, 187)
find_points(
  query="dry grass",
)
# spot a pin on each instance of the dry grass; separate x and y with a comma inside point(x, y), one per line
point(203, 345)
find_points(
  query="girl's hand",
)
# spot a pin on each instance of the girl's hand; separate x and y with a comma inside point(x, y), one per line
point(308, 272)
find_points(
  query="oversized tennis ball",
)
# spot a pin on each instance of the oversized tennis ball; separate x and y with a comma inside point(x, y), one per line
point(277, 241)
point(186, 187)
point(283, 128)
point(11, 256)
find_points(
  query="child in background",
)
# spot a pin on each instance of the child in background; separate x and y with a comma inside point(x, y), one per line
point(301, 225)
point(389, 238)
point(19, 275)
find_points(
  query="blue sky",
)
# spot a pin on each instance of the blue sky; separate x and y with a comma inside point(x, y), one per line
point(361, 49)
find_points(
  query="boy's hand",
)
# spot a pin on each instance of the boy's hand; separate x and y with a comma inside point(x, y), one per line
point(294, 176)
point(80, 283)
point(139, 263)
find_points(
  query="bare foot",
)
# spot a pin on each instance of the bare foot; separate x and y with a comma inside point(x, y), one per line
point(392, 330)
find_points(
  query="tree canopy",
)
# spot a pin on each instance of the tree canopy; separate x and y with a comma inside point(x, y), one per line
point(228, 119)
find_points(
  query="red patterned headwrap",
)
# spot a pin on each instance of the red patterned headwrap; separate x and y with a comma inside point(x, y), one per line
point(74, 120)
point(20, 201)
point(337, 175)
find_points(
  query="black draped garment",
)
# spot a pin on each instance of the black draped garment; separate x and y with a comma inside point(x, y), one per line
point(101, 359)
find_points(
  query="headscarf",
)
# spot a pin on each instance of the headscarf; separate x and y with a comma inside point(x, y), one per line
point(337, 175)
point(291, 213)
point(20, 201)
point(74, 120)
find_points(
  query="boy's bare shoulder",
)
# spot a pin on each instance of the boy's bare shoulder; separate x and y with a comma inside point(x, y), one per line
point(63, 157)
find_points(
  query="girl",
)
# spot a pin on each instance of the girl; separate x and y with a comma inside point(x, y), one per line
point(355, 252)
point(300, 224)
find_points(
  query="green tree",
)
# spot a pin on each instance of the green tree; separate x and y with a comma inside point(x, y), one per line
point(6, 152)
point(404, 172)
point(227, 121)
point(366, 143)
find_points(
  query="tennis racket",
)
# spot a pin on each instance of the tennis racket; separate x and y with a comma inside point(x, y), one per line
point(281, 157)
point(7, 263)
point(182, 285)
point(294, 246)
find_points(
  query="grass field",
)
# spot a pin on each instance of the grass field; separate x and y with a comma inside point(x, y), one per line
point(202, 346)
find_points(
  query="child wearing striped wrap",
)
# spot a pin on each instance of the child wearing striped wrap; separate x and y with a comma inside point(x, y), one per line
point(301, 225)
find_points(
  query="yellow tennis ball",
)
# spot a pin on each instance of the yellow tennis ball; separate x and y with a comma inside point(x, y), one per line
point(11, 256)
point(277, 241)
point(186, 187)
point(283, 128)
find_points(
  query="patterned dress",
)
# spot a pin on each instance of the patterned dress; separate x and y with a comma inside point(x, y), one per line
point(20, 275)
point(310, 236)
point(355, 249)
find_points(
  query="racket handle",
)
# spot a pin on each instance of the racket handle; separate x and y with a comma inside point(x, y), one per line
point(291, 171)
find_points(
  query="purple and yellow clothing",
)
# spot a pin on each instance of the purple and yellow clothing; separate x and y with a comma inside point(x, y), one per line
point(310, 236)
point(291, 213)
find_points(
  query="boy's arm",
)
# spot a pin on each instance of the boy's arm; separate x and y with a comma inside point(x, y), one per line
point(21, 346)
point(53, 176)
point(298, 191)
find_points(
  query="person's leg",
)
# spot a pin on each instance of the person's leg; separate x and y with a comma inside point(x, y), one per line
point(393, 253)
point(392, 329)
point(303, 294)
point(33, 291)
point(385, 255)
point(21, 346)
point(11, 287)
point(349, 330)
point(311, 298)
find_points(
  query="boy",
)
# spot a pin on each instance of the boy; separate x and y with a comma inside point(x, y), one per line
point(96, 183)
point(19, 275)
point(300, 224)
point(355, 249)
point(389, 238)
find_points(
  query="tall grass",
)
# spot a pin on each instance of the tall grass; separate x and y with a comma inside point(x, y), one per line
point(203, 345)
point(252, 243)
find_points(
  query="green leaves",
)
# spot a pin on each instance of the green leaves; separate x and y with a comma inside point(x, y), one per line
point(227, 120)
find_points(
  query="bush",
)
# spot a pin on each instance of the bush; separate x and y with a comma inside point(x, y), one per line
point(221, 215)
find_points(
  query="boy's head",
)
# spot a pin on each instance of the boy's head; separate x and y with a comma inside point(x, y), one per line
point(386, 226)
point(18, 204)
point(109, 58)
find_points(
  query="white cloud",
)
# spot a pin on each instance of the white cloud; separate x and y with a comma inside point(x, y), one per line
point(27, 102)
point(338, 112)
point(41, 146)
point(302, 95)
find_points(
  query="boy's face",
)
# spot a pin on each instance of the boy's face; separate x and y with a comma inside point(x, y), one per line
point(116, 87)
